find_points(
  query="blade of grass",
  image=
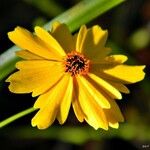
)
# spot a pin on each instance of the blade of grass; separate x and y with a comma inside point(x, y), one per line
point(50, 7)
point(80, 14)
point(16, 116)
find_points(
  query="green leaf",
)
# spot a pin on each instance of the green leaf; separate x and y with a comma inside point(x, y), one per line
point(16, 116)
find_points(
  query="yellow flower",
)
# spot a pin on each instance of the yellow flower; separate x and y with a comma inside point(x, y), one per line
point(65, 69)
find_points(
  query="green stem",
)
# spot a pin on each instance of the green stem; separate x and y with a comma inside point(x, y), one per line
point(80, 14)
point(16, 116)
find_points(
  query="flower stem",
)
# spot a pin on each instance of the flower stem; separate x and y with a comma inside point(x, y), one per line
point(16, 116)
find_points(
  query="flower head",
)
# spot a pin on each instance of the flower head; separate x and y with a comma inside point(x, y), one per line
point(65, 69)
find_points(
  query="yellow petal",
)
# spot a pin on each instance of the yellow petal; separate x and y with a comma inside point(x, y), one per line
point(49, 40)
point(76, 105)
point(91, 43)
point(65, 102)
point(35, 76)
point(100, 55)
point(25, 40)
point(25, 54)
point(117, 59)
point(77, 110)
point(107, 63)
point(119, 86)
point(128, 74)
point(62, 34)
point(112, 91)
point(94, 114)
point(80, 38)
point(114, 125)
point(94, 93)
point(49, 104)
point(53, 91)
point(75, 39)
point(45, 117)
point(113, 114)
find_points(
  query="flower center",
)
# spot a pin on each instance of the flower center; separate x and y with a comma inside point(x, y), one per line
point(76, 63)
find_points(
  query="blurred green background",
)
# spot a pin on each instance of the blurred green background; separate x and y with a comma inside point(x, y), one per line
point(129, 33)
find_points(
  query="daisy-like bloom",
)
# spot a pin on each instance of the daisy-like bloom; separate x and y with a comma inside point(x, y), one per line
point(65, 69)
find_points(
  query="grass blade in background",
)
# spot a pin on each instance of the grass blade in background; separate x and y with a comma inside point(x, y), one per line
point(48, 7)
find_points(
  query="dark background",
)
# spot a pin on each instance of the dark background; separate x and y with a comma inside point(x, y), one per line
point(129, 33)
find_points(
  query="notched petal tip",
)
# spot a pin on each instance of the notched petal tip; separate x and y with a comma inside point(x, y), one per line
point(126, 74)
point(41, 120)
point(142, 68)
point(97, 126)
point(16, 28)
point(98, 29)
point(36, 28)
point(34, 124)
point(13, 33)
point(10, 87)
point(140, 73)
point(114, 125)
point(55, 25)
point(101, 127)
